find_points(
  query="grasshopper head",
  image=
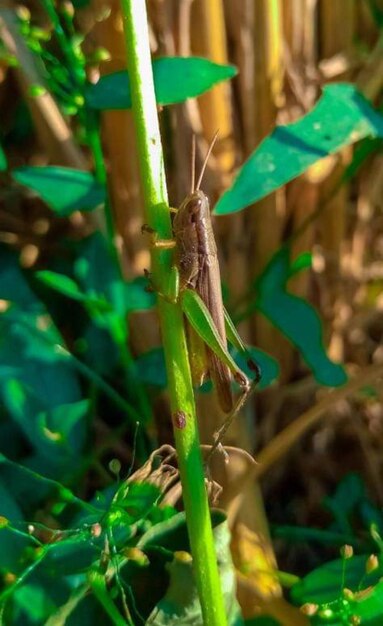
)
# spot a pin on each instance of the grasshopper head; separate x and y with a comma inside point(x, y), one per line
point(193, 208)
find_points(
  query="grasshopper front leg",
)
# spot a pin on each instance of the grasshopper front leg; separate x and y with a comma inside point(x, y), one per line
point(162, 244)
point(172, 292)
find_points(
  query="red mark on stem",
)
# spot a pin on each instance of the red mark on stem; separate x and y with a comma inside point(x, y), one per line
point(179, 419)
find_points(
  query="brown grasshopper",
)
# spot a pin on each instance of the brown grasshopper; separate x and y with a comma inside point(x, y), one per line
point(197, 269)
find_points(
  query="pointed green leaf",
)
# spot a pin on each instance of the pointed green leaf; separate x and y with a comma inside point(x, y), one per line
point(341, 117)
point(175, 80)
point(68, 287)
point(61, 283)
point(202, 322)
point(296, 319)
point(65, 190)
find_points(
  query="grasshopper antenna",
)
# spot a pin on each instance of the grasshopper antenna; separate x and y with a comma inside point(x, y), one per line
point(193, 164)
point(199, 181)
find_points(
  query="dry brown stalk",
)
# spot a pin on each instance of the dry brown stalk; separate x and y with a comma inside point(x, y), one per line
point(53, 131)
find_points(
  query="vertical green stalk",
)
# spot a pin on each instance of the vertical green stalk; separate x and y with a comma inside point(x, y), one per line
point(171, 319)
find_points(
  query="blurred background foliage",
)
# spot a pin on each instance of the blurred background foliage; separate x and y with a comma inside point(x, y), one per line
point(82, 379)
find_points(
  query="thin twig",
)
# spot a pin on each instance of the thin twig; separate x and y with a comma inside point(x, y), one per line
point(287, 438)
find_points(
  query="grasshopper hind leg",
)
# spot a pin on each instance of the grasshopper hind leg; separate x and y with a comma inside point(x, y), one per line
point(247, 388)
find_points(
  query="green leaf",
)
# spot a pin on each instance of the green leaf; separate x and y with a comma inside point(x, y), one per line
point(36, 380)
point(57, 434)
point(61, 283)
point(64, 189)
point(136, 499)
point(68, 287)
point(296, 319)
point(29, 354)
point(324, 583)
point(62, 425)
point(369, 606)
point(341, 117)
point(175, 80)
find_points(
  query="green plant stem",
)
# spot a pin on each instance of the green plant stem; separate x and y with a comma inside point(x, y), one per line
point(93, 140)
point(75, 68)
point(171, 319)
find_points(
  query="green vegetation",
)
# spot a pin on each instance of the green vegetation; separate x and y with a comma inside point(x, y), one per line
point(99, 522)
